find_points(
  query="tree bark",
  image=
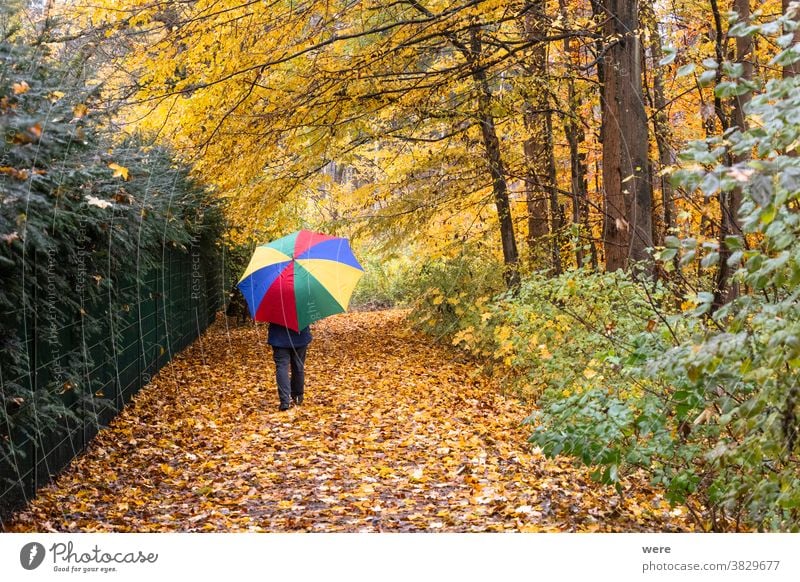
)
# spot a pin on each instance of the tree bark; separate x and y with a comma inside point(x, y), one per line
point(730, 202)
point(576, 136)
point(544, 216)
point(661, 127)
point(44, 22)
point(556, 212)
point(496, 167)
point(628, 197)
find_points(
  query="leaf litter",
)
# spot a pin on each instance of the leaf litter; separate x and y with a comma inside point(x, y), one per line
point(396, 434)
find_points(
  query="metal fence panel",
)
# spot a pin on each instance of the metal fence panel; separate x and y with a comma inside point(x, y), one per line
point(176, 302)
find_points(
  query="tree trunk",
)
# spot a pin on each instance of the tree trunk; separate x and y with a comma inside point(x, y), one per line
point(496, 167)
point(628, 192)
point(573, 131)
point(46, 10)
point(730, 202)
point(540, 180)
point(556, 212)
point(661, 127)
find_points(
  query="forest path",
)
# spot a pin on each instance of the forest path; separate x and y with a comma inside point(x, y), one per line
point(396, 434)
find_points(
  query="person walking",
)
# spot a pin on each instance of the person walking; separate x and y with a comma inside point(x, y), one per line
point(289, 352)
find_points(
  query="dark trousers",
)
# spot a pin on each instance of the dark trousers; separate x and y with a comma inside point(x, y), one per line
point(286, 359)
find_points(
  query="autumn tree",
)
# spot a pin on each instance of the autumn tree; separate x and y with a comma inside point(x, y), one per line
point(430, 121)
point(662, 132)
point(575, 135)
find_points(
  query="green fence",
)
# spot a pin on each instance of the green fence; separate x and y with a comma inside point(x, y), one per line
point(173, 304)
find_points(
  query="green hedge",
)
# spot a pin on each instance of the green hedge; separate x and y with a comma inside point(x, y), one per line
point(108, 259)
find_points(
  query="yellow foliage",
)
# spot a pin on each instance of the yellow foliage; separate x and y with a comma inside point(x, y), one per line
point(503, 332)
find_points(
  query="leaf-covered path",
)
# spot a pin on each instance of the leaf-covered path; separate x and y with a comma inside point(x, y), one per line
point(396, 434)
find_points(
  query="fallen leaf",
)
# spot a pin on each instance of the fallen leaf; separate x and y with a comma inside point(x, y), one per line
point(99, 202)
point(119, 171)
point(20, 88)
point(390, 438)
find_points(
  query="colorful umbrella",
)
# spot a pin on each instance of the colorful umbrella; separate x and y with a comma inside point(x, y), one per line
point(300, 278)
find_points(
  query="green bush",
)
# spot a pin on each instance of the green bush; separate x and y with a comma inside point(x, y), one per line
point(386, 282)
point(712, 413)
point(449, 293)
point(554, 335)
point(82, 220)
point(744, 366)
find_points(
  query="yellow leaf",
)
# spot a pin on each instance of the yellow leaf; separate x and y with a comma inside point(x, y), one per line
point(417, 476)
point(503, 333)
point(385, 472)
point(119, 171)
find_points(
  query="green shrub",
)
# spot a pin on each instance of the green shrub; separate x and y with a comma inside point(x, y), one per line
point(635, 375)
point(387, 282)
point(715, 417)
point(82, 221)
point(449, 293)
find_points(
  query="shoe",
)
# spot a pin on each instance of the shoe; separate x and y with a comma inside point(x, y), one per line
point(298, 400)
point(283, 407)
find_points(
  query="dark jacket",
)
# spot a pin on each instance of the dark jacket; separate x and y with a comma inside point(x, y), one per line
point(283, 337)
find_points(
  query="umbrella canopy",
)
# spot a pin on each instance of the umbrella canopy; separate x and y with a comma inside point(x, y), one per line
point(300, 278)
